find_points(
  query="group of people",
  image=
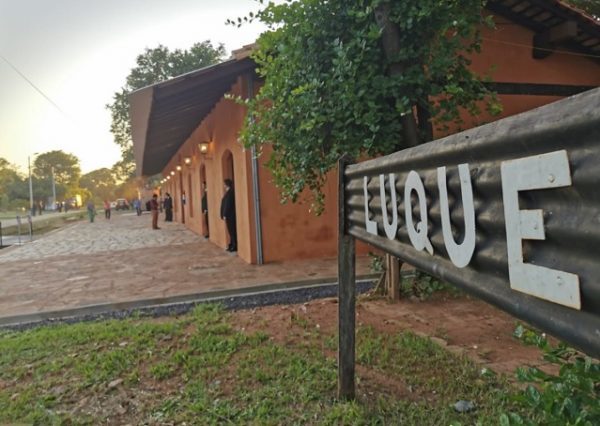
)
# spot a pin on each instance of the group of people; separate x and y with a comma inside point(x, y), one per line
point(227, 212)
point(39, 207)
point(91, 209)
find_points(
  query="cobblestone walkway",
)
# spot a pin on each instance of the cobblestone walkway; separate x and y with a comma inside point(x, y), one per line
point(123, 232)
point(124, 260)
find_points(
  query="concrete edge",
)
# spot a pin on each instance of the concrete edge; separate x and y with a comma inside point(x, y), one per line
point(273, 293)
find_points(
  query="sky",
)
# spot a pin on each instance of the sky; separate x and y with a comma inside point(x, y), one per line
point(78, 54)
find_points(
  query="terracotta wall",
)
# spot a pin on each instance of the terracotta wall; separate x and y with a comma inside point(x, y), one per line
point(508, 48)
point(221, 128)
point(506, 56)
point(291, 231)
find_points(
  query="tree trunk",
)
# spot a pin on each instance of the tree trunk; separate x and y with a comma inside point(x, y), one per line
point(391, 47)
point(410, 130)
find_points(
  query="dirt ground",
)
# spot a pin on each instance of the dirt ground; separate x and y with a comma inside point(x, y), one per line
point(459, 323)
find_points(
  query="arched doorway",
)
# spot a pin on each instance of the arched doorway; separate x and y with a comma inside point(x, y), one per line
point(228, 203)
point(227, 165)
point(182, 196)
point(204, 202)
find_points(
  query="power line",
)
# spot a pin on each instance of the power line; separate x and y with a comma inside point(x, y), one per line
point(562, 52)
point(37, 89)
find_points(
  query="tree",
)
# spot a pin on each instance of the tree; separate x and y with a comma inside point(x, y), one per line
point(153, 66)
point(364, 77)
point(592, 7)
point(13, 186)
point(65, 168)
point(101, 183)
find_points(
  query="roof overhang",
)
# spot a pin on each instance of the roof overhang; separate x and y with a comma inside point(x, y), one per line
point(555, 23)
point(164, 115)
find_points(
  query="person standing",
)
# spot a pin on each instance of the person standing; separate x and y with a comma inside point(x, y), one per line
point(168, 205)
point(228, 214)
point(154, 210)
point(137, 204)
point(106, 209)
point(91, 211)
point(205, 209)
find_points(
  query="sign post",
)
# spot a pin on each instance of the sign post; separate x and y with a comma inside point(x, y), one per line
point(346, 293)
point(508, 212)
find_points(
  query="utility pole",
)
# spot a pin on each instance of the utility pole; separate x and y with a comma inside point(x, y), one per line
point(30, 185)
point(53, 190)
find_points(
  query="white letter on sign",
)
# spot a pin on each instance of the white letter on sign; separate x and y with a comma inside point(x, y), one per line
point(537, 172)
point(460, 254)
point(418, 236)
point(370, 224)
point(390, 228)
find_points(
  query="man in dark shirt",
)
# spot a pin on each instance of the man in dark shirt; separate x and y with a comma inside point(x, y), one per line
point(228, 214)
point(154, 210)
point(168, 205)
point(205, 209)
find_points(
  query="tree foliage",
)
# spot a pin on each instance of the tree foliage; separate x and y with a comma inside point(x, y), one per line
point(331, 86)
point(101, 183)
point(13, 186)
point(153, 66)
point(592, 7)
point(66, 170)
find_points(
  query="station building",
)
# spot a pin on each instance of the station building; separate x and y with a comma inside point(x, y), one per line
point(187, 128)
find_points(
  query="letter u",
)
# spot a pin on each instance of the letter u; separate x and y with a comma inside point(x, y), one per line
point(460, 254)
point(390, 228)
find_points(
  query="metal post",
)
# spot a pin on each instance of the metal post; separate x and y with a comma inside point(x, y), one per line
point(30, 185)
point(346, 294)
point(19, 228)
point(31, 211)
point(30, 227)
point(53, 190)
point(255, 187)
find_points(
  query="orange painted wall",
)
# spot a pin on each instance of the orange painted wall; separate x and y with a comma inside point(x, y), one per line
point(291, 231)
point(508, 48)
point(220, 127)
point(506, 56)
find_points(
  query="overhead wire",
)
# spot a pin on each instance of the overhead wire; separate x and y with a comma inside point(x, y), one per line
point(563, 52)
point(34, 86)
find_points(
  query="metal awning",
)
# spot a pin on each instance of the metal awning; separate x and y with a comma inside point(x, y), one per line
point(164, 115)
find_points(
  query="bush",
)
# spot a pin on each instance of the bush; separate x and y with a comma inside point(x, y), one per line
point(571, 398)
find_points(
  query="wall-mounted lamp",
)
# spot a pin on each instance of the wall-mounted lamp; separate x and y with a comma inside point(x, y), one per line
point(203, 147)
point(172, 173)
point(178, 168)
point(187, 161)
point(168, 177)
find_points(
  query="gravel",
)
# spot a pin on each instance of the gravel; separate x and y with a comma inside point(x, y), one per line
point(240, 302)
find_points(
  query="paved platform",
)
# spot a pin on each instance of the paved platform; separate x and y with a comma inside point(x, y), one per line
point(123, 260)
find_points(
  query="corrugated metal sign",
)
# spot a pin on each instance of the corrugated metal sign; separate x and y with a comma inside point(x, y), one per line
point(509, 212)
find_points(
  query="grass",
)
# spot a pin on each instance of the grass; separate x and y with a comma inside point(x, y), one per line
point(44, 225)
point(199, 369)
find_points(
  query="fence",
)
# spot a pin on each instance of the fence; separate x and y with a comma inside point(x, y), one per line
point(509, 212)
point(18, 225)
